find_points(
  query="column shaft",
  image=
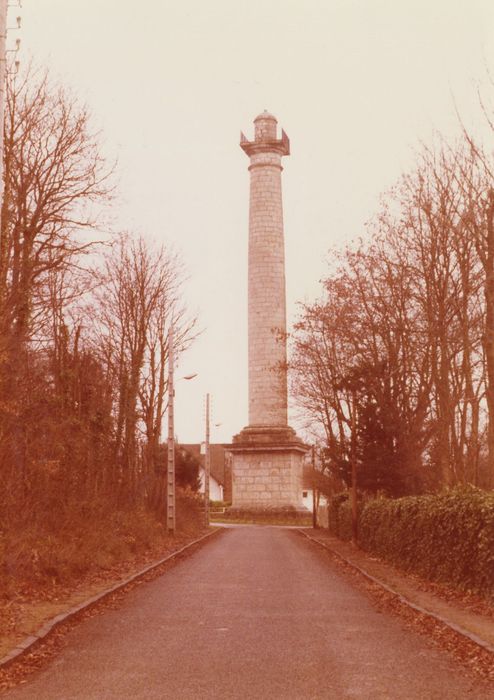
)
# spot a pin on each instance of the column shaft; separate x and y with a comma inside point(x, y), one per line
point(267, 305)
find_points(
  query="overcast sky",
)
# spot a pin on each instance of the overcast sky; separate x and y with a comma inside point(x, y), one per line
point(356, 84)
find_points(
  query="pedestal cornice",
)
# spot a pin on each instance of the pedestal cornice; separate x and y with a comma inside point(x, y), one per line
point(257, 438)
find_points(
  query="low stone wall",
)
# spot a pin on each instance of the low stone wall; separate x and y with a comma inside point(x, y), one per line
point(267, 516)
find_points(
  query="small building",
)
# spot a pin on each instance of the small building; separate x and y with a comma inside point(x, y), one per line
point(216, 490)
point(308, 500)
point(315, 482)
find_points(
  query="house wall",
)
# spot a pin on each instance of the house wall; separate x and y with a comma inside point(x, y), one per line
point(215, 489)
point(307, 499)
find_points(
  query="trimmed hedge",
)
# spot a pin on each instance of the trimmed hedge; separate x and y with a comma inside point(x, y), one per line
point(446, 537)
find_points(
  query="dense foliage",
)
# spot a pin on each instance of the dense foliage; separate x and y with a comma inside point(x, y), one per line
point(446, 537)
point(340, 516)
point(187, 467)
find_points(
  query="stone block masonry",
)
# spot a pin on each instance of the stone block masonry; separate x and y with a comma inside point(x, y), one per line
point(266, 293)
point(267, 480)
point(267, 456)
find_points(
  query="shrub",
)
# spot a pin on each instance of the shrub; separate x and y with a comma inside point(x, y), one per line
point(88, 538)
point(340, 516)
point(447, 537)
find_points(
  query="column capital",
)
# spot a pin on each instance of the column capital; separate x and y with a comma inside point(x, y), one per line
point(280, 146)
point(265, 140)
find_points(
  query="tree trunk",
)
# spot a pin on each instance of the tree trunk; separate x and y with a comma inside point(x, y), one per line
point(489, 333)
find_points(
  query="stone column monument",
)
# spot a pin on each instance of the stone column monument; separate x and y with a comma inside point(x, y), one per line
point(267, 455)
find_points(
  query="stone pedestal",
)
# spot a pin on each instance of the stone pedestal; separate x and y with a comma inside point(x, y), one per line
point(267, 472)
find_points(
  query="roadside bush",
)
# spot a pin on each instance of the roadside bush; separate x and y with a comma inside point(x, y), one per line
point(220, 504)
point(447, 537)
point(190, 512)
point(88, 539)
point(340, 516)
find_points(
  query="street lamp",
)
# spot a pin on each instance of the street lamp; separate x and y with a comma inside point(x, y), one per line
point(170, 471)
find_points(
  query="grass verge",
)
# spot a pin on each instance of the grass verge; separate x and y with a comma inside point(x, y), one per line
point(46, 571)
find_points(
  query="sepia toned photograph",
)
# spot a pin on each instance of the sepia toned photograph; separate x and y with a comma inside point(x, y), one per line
point(247, 350)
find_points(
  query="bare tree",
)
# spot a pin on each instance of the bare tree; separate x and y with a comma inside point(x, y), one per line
point(475, 179)
point(408, 313)
point(138, 301)
point(55, 179)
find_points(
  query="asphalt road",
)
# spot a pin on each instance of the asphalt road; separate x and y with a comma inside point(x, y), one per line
point(258, 612)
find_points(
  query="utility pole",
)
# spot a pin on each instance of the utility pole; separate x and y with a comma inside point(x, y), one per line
point(171, 519)
point(4, 5)
point(170, 471)
point(3, 78)
point(207, 462)
point(315, 499)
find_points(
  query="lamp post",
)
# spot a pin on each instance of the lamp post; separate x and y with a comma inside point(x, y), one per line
point(207, 458)
point(170, 470)
point(207, 463)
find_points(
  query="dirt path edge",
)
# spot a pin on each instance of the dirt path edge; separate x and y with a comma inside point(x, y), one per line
point(402, 599)
point(29, 643)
